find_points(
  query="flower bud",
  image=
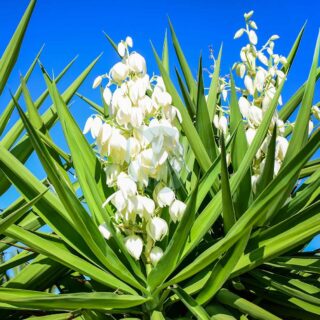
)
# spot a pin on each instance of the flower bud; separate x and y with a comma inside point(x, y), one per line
point(239, 33)
point(253, 37)
point(248, 15)
point(129, 41)
point(107, 96)
point(249, 84)
point(176, 210)
point(155, 255)
point(134, 245)
point(105, 231)
point(96, 82)
point(121, 49)
point(157, 228)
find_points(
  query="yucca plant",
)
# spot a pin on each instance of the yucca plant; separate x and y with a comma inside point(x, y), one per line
point(188, 204)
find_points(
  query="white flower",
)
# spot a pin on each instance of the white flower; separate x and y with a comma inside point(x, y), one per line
point(96, 127)
point(157, 228)
point(223, 124)
point(88, 125)
point(316, 112)
point(127, 186)
point(133, 148)
point(254, 180)
point(244, 106)
point(112, 171)
point(250, 133)
point(310, 126)
point(134, 245)
point(249, 84)
point(253, 37)
point(136, 117)
point(119, 72)
point(281, 147)
point(121, 49)
point(156, 254)
point(117, 148)
point(262, 58)
point(274, 37)
point(248, 15)
point(165, 197)
point(107, 95)
point(176, 210)
point(129, 41)
point(144, 206)
point(103, 137)
point(137, 63)
point(96, 82)
point(160, 97)
point(255, 115)
point(259, 80)
point(105, 231)
point(239, 33)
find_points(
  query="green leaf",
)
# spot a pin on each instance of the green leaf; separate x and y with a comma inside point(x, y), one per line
point(197, 310)
point(14, 216)
point(238, 150)
point(203, 123)
point(57, 251)
point(11, 53)
point(183, 64)
point(228, 212)
point(222, 270)
point(5, 116)
point(48, 301)
point(300, 131)
point(226, 297)
point(165, 54)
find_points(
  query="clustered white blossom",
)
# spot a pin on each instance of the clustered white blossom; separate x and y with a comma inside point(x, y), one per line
point(262, 73)
point(136, 142)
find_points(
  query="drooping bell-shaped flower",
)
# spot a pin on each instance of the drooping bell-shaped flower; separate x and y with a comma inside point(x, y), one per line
point(253, 37)
point(164, 196)
point(105, 231)
point(117, 148)
point(129, 41)
point(176, 210)
point(244, 106)
point(134, 245)
point(137, 63)
point(156, 254)
point(126, 185)
point(157, 228)
point(119, 72)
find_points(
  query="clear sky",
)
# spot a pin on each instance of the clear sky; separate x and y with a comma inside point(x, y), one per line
point(70, 28)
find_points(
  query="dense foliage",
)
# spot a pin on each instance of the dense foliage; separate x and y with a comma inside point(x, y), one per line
point(190, 203)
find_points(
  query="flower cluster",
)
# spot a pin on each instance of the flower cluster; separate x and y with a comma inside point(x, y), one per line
point(137, 142)
point(262, 72)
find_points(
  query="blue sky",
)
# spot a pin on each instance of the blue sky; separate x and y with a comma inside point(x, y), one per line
point(70, 28)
